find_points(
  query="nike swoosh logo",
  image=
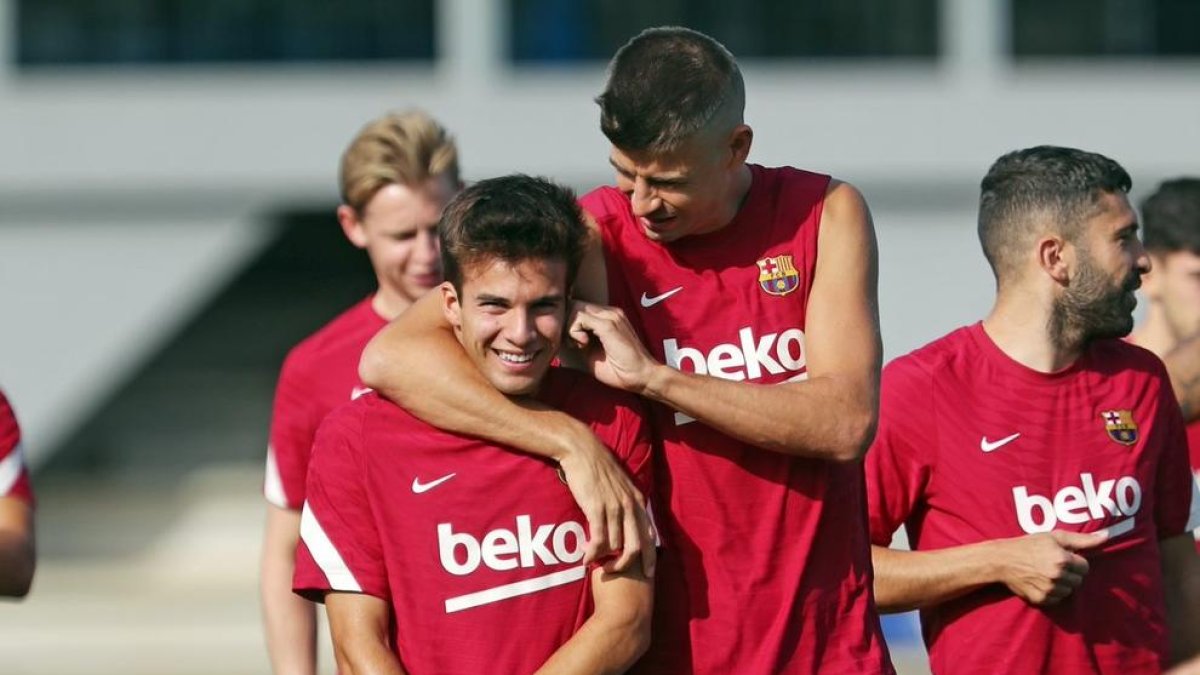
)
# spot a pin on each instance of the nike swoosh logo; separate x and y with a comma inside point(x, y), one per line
point(418, 487)
point(989, 446)
point(359, 391)
point(650, 302)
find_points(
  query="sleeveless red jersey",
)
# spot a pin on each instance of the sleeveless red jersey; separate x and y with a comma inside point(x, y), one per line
point(14, 475)
point(767, 566)
point(973, 446)
point(318, 375)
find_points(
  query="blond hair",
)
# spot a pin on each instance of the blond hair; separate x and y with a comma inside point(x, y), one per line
point(405, 148)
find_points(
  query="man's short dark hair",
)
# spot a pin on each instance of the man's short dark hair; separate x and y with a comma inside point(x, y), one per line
point(1171, 217)
point(512, 218)
point(1046, 184)
point(666, 84)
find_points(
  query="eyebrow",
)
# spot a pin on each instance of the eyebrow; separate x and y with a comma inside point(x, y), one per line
point(667, 179)
point(488, 297)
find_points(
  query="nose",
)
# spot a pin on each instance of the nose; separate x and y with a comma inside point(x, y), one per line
point(427, 248)
point(520, 330)
point(1142, 259)
point(644, 198)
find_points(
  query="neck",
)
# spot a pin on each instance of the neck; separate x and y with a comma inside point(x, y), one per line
point(739, 189)
point(389, 304)
point(1155, 333)
point(1023, 325)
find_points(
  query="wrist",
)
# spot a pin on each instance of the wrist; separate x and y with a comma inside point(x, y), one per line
point(658, 382)
point(572, 440)
point(993, 562)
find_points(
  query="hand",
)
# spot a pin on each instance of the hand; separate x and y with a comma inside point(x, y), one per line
point(1189, 667)
point(615, 509)
point(617, 356)
point(1042, 569)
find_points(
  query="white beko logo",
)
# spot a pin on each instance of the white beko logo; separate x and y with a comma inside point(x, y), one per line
point(1119, 497)
point(503, 550)
point(648, 302)
point(748, 359)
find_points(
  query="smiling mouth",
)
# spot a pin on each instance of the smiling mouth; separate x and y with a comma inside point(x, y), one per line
point(515, 359)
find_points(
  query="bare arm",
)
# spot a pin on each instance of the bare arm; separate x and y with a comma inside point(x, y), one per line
point(1183, 365)
point(832, 414)
point(359, 624)
point(17, 550)
point(1042, 569)
point(290, 621)
point(1181, 583)
point(616, 634)
point(418, 363)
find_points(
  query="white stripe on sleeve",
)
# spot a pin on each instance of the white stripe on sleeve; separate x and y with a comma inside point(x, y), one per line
point(327, 556)
point(273, 485)
point(10, 470)
point(1194, 519)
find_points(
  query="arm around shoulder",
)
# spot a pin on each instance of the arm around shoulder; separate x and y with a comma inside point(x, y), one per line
point(617, 633)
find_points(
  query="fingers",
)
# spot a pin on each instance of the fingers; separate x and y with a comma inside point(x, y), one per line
point(597, 535)
point(1079, 541)
point(649, 542)
point(632, 539)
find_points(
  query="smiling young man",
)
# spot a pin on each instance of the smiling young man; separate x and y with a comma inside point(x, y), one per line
point(396, 176)
point(726, 277)
point(437, 553)
point(1038, 462)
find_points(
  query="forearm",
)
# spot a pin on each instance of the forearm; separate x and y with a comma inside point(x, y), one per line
point(1183, 366)
point(289, 620)
point(425, 370)
point(907, 580)
point(829, 417)
point(364, 656)
point(17, 562)
point(1181, 584)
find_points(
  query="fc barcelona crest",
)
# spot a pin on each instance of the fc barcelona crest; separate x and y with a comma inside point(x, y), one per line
point(1120, 426)
point(778, 276)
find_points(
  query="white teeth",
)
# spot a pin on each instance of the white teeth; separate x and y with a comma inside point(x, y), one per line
point(515, 358)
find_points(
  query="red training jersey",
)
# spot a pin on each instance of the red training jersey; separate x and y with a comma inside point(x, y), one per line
point(1193, 434)
point(319, 374)
point(973, 446)
point(477, 547)
point(14, 474)
point(767, 566)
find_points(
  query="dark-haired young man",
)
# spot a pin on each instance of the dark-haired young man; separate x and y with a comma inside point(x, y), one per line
point(1171, 232)
point(437, 553)
point(725, 277)
point(1039, 463)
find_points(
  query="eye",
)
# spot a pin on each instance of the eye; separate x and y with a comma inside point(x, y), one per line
point(403, 236)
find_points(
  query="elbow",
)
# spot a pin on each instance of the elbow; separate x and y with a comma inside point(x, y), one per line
point(372, 366)
point(856, 431)
point(633, 624)
point(19, 580)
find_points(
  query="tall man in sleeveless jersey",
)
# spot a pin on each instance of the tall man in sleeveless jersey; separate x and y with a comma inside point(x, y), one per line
point(745, 309)
point(1039, 463)
point(396, 176)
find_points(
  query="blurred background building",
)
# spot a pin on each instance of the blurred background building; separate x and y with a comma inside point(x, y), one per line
point(168, 181)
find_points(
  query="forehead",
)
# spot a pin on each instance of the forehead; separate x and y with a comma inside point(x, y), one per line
point(1113, 212)
point(693, 154)
point(398, 201)
point(496, 276)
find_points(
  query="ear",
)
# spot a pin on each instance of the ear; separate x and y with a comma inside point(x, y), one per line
point(352, 227)
point(1056, 258)
point(451, 307)
point(740, 141)
point(1152, 281)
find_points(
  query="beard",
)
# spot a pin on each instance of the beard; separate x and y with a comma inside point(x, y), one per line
point(1092, 308)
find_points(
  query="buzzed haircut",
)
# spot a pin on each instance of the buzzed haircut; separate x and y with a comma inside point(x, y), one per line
point(1025, 189)
point(512, 219)
point(405, 148)
point(1171, 217)
point(665, 85)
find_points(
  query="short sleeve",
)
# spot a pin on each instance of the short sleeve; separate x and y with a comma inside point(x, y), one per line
point(340, 545)
point(1177, 501)
point(293, 425)
point(898, 463)
point(14, 473)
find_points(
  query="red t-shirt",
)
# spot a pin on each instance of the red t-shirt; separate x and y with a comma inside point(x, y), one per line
point(319, 374)
point(14, 475)
point(973, 446)
point(477, 547)
point(1193, 434)
point(767, 565)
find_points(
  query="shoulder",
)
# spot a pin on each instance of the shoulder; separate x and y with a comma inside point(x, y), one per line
point(844, 203)
point(353, 325)
point(613, 414)
point(923, 365)
point(1121, 357)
